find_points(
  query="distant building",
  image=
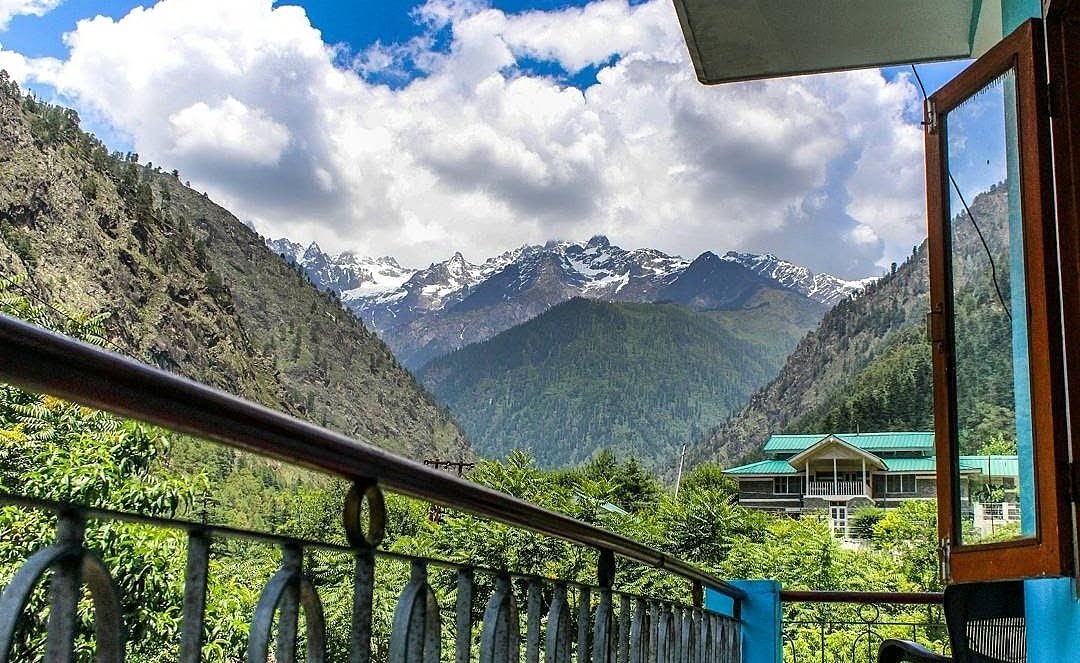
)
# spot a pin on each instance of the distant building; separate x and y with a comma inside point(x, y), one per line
point(841, 472)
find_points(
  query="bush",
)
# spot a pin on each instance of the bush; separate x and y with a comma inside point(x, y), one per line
point(863, 521)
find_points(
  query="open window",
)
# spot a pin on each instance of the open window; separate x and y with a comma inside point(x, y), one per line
point(995, 314)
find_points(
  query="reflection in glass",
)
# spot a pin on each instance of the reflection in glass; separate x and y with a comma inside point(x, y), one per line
point(993, 391)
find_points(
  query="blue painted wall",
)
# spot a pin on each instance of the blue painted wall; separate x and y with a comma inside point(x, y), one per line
point(1053, 620)
point(1015, 12)
point(760, 615)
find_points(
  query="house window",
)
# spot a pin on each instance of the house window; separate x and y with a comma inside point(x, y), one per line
point(787, 485)
point(900, 483)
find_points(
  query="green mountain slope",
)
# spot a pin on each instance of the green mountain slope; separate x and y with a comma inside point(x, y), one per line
point(639, 379)
point(191, 289)
point(868, 365)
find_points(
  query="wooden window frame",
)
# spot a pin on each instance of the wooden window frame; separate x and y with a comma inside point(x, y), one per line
point(788, 481)
point(1063, 62)
point(900, 479)
point(1049, 551)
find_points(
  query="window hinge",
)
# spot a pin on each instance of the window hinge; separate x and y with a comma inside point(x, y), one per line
point(1053, 99)
point(930, 121)
point(935, 326)
point(945, 555)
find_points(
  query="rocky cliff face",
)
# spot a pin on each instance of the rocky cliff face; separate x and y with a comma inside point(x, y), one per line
point(189, 288)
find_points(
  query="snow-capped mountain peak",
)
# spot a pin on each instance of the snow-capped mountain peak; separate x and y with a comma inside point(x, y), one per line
point(824, 288)
point(455, 302)
point(347, 274)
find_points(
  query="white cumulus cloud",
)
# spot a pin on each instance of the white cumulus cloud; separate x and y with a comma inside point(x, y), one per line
point(236, 132)
point(477, 154)
point(12, 8)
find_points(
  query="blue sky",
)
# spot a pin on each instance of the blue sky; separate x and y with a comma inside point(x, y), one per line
point(417, 129)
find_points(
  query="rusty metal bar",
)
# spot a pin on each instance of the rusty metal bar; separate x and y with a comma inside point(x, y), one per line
point(911, 598)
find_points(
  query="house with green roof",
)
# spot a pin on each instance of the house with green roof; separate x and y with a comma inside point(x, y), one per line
point(841, 472)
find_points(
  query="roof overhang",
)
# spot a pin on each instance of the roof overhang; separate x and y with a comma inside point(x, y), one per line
point(734, 40)
point(830, 441)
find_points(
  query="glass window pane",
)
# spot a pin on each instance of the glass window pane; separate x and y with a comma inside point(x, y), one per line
point(990, 334)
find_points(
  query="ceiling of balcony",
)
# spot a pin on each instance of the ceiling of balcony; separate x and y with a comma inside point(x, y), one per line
point(732, 40)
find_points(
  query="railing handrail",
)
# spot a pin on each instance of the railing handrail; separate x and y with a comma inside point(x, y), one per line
point(846, 487)
point(813, 596)
point(43, 361)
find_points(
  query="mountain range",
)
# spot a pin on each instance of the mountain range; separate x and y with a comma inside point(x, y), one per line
point(426, 313)
point(636, 379)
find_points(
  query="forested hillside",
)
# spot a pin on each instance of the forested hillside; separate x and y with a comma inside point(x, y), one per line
point(640, 379)
point(187, 287)
point(868, 365)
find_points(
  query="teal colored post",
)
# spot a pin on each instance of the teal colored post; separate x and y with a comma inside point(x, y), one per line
point(760, 613)
point(1015, 12)
point(1052, 616)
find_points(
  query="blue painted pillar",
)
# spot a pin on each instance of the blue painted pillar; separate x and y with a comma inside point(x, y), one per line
point(1052, 615)
point(1015, 12)
point(761, 634)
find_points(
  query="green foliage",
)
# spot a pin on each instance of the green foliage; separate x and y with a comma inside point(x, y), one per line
point(638, 379)
point(893, 392)
point(910, 532)
point(864, 520)
point(998, 444)
point(56, 450)
point(710, 478)
point(18, 242)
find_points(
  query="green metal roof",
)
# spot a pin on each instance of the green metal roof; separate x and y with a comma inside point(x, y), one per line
point(872, 442)
point(763, 467)
point(996, 466)
point(1001, 466)
point(910, 464)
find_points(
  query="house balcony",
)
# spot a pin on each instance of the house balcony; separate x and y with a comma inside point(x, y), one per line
point(319, 597)
point(318, 592)
point(833, 489)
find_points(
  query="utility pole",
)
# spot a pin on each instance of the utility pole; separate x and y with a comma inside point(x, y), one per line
point(678, 474)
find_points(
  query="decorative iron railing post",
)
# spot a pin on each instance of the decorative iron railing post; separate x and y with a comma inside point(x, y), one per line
point(584, 622)
point(686, 636)
point(416, 636)
point(639, 633)
point(72, 564)
point(284, 595)
point(677, 632)
point(557, 639)
point(622, 648)
point(289, 606)
point(364, 544)
point(653, 655)
point(194, 611)
point(64, 592)
point(534, 604)
point(499, 639)
point(602, 634)
point(463, 616)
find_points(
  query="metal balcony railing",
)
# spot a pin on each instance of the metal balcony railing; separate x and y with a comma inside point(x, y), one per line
point(564, 620)
point(849, 627)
